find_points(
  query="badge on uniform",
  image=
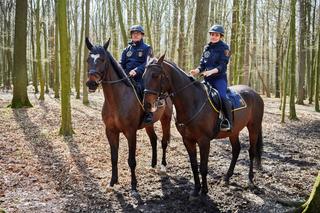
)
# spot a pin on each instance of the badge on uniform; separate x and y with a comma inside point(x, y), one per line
point(140, 53)
point(129, 53)
point(227, 53)
point(206, 54)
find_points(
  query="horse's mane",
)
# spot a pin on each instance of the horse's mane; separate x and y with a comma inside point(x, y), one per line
point(183, 73)
point(115, 65)
point(118, 69)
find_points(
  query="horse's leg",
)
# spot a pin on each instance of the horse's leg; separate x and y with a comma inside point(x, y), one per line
point(165, 124)
point(204, 147)
point(153, 140)
point(192, 151)
point(235, 143)
point(255, 150)
point(113, 138)
point(132, 141)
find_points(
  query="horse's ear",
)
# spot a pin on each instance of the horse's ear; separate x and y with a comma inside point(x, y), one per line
point(160, 61)
point(106, 45)
point(88, 43)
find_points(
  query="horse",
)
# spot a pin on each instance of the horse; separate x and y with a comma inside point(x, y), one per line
point(197, 121)
point(122, 110)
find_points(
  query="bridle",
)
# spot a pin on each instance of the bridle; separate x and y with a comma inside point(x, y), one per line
point(104, 73)
point(163, 94)
point(163, 76)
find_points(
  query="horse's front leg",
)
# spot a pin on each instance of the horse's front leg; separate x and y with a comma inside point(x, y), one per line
point(153, 140)
point(132, 141)
point(113, 138)
point(204, 146)
point(192, 151)
point(165, 124)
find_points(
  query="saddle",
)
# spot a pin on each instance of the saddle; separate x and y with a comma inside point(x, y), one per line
point(234, 97)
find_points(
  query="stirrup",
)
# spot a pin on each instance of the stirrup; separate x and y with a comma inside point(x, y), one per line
point(225, 125)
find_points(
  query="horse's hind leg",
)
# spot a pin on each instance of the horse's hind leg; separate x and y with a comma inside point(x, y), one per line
point(113, 138)
point(255, 150)
point(235, 143)
point(153, 140)
point(165, 124)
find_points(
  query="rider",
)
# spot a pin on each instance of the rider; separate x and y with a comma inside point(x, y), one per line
point(134, 58)
point(213, 66)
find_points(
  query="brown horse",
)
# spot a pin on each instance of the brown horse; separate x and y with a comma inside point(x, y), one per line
point(197, 121)
point(122, 111)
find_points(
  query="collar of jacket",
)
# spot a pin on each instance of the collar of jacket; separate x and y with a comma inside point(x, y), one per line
point(136, 43)
point(214, 44)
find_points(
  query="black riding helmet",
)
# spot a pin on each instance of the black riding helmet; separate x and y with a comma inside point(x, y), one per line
point(217, 29)
point(137, 28)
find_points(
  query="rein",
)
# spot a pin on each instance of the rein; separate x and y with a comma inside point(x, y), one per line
point(118, 81)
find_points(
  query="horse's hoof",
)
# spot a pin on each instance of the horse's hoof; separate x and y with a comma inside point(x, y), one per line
point(112, 182)
point(225, 182)
point(251, 185)
point(163, 170)
point(204, 192)
point(194, 195)
point(134, 193)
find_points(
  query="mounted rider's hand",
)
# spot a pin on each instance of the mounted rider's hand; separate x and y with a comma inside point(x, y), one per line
point(194, 72)
point(210, 72)
point(132, 73)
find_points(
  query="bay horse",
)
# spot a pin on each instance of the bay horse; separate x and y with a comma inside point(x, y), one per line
point(122, 111)
point(197, 121)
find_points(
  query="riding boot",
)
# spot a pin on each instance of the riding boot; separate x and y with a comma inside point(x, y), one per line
point(148, 117)
point(226, 124)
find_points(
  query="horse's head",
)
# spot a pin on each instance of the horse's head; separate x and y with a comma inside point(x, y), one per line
point(97, 64)
point(154, 83)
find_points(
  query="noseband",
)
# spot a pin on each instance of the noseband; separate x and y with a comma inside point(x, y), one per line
point(162, 75)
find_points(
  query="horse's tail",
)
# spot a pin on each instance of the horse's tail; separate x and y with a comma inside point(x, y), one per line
point(259, 149)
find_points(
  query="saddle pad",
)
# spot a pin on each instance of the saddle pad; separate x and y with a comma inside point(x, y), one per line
point(235, 98)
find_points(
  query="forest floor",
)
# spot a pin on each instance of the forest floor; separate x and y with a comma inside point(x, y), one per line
point(41, 171)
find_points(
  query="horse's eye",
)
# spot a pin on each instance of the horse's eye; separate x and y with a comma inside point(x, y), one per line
point(100, 60)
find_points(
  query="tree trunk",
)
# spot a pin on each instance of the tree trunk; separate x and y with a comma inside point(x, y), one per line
point(121, 23)
point(302, 51)
point(292, 48)
point(317, 76)
point(113, 26)
point(34, 70)
point(20, 78)
point(148, 27)
point(66, 125)
point(39, 61)
point(56, 54)
point(313, 56)
point(181, 49)
point(233, 73)
point(85, 99)
point(278, 49)
point(200, 29)
point(312, 205)
point(174, 30)
point(246, 64)
point(77, 80)
point(285, 86)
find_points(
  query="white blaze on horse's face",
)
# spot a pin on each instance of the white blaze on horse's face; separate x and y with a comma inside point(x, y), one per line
point(95, 57)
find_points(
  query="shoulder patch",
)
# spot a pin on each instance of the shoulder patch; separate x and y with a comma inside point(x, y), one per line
point(227, 53)
point(206, 54)
point(129, 53)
